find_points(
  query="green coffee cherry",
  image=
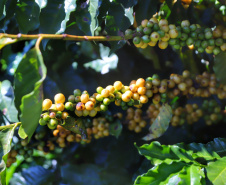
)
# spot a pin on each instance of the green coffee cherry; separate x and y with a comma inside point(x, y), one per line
point(146, 39)
point(103, 107)
point(128, 32)
point(77, 92)
point(71, 98)
point(186, 29)
point(193, 27)
point(216, 50)
point(99, 89)
point(150, 24)
point(106, 101)
point(46, 117)
point(147, 31)
point(58, 114)
point(42, 122)
point(53, 122)
point(136, 40)
point(69, 106)
point(139, 29)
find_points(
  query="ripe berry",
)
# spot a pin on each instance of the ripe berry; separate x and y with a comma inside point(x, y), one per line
point(59, 98)
point(46, 104)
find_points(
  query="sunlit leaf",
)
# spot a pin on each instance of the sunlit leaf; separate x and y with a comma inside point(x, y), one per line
point(7, 101)
point(220, 67)
point(29, 77)
point(6, 136)
point(2, 8)
point(93, 10)
point(161, 123)
point(106, 63)
point(216, 171)
point(6, 41)
point(69, 6)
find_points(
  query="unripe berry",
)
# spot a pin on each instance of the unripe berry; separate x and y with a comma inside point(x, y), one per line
point(147, 31)
point(155, 36)
point(77, 92)
point(173, 33)
point(163, 22)
point(136, 40)
point(144, 23)
point(146, 39)
point(185, 23)
point(166, 37)
point(78, 113)
point(42, 122)
point(128, 32)
point(154, 20)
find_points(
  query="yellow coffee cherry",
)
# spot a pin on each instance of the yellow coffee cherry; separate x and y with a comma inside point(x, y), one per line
point(136, 96)
point(126, 97)
point(143, 99)
point(118, 85)
point(106, 133)
point(65, 115)
point(105, 93)
point(133, 88)
point(163, 45)
point(46, 104)
point(141, 90)
point(84, 98)
point(59, 98)
point(152, 43)
point(89, 105)
point(60, 106)
point(140, 82)
point(142, 123)
point(110, 88)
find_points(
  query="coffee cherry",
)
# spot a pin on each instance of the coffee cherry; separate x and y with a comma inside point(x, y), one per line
point(46, 104)
point(59, 98)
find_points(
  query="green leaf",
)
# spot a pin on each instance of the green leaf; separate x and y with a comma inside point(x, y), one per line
point(29, 76)
point(51, 17)
point(6, 136)
point(11, 170)
point(2, 8)
point(146, 9)
point(160, 174)
point(7, 101)
point(117, 20)
point(216, 171)
point(27, 16)
point(106, 63)
point(6, 41)
point(75, 126)
point(93, 10)
point(220, 67)
point(209, 151)
point(158, 153)
point(115, 128)
point(69, 6)
point(83, 20)
point(161, 123)
point(191, 175)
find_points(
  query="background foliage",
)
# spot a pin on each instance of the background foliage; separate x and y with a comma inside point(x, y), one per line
point(27, 77)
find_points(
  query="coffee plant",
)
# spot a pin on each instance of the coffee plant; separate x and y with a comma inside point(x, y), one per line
point(86, 86)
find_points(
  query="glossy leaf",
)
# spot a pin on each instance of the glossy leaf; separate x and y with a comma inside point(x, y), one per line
point(115, 128)
point(41, 3)
point(51, 17)
point(209, 151)
point(161, 123)
point(220, 67)
point(6, 136)
point(216, 171)
point(69, 6)
point(190, 175)
point(7, 101)
point(106, 62)
point(117, 21)
point(146, 9)
point(27, 15)
point(93, 10)
point(160, 174)
point(29, 77)
point(158, 153)
point(6, 41)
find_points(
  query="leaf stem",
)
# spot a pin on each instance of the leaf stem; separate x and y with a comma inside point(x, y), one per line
point(38, 42)
point(65, 37)
point(10, 126)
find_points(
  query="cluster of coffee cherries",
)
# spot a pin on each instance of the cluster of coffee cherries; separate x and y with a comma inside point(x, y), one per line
point(135, 120)
point(190, 113)
point(81, 104)
point(152, 31)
